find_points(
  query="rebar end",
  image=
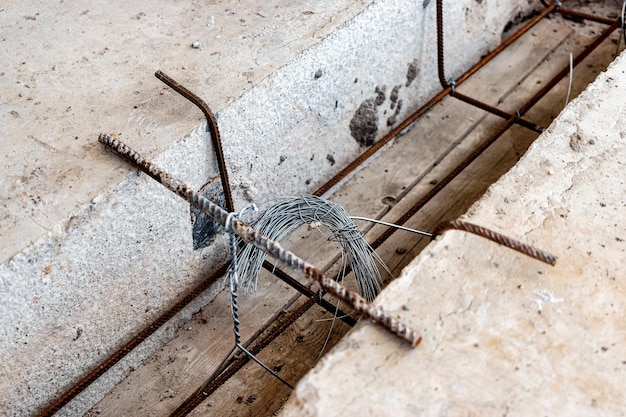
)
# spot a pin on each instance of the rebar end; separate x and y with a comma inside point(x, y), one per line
point(416, 341)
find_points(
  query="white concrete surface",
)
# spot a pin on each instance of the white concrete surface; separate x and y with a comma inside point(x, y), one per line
point(502, 333)
point(89, 251)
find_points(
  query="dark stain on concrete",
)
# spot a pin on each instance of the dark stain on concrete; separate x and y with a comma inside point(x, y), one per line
point(395, 92)
point(205, 229)
point(411, 73)
point(330, 159)
point(391, 120)
point(364, 123)
point(380, 95)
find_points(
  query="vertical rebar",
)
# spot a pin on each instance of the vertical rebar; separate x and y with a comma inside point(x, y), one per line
point(212, 128)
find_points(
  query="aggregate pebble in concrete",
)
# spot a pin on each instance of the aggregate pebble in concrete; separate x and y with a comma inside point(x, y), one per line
point(502, 333)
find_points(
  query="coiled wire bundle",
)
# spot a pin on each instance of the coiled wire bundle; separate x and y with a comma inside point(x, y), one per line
point(284, 217)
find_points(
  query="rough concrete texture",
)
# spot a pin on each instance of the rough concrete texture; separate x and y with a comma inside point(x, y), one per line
point(90, 253)
point(502, 333)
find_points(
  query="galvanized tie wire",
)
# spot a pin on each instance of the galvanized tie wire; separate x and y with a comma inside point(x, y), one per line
point(234, 304)
point(248, 234)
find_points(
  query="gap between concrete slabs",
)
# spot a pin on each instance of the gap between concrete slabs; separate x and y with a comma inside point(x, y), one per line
point(504, 333)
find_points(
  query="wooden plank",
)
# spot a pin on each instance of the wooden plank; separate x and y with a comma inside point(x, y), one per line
point(253, 391)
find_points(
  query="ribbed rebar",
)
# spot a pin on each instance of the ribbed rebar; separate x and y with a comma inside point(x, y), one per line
point(252, 236)
point(441, 72)
point(212, 128)
point(496, 237)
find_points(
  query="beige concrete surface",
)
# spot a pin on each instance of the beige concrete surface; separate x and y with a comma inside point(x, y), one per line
point(70, 71)
point(504, 334)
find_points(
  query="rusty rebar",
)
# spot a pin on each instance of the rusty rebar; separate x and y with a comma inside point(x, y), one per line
point(307, 292)
point(441, 72)
point(252, 236)
point(585, 16)
point(212, 128)
point(495, 237)
point(576, 14)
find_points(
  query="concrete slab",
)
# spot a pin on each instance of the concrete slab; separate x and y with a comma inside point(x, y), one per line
point(90, 252)
point(504, 334)
point(70, 73)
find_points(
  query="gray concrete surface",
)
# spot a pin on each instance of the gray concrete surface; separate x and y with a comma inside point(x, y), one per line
point(89, 251)
point(502, 333)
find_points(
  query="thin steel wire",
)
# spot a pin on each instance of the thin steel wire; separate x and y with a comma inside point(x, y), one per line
point(233, 279)
point(571, 78)
point(283, 218)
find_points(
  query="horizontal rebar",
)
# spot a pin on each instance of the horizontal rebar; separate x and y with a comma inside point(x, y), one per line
point(304, 290)
point(496, 111)
point(248, 234)
point(496, 237)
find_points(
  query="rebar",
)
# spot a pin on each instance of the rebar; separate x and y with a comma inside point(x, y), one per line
point(214, 132)
point(496, 237)
point(495, 111)
point(252, 236)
